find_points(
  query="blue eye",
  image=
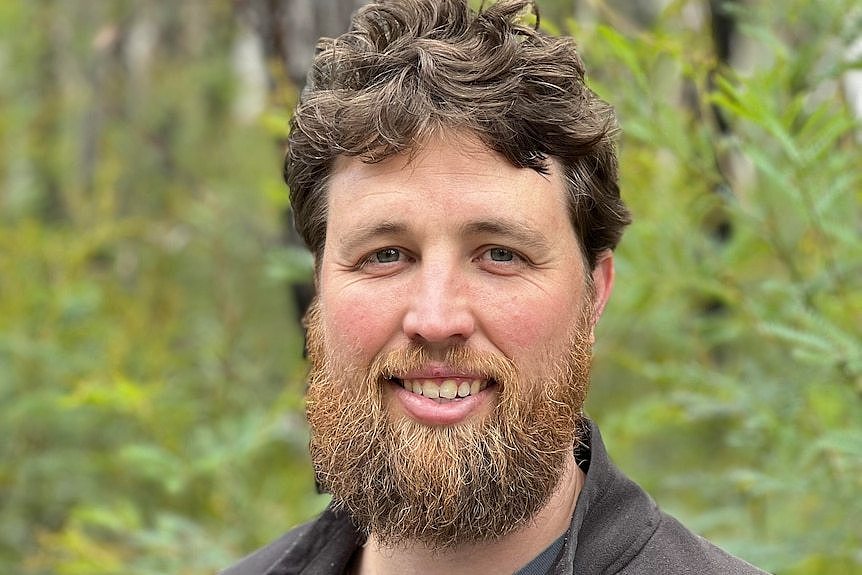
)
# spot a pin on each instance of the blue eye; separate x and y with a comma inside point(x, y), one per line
point(386, 256)
point(501, 255)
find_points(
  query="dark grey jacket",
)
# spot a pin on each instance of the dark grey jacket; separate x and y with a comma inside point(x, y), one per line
point(616, 528)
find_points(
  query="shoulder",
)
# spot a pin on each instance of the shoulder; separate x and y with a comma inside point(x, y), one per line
point(260, 561)
point(620, 529)
point(325, 545)
point(672, 548)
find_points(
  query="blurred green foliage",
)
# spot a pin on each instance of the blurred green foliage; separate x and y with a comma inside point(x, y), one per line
point(730, 368)
point(150, 356)
point(150, 360)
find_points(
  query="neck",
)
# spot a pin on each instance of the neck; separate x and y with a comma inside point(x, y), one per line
point(504, 555)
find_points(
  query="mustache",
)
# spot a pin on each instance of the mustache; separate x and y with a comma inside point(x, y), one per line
point(461, 360)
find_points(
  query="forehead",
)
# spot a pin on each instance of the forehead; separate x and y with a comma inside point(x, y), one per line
point(453, 171)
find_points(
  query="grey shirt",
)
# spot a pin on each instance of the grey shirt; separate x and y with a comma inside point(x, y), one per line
point(616, 528)
point(544, 561)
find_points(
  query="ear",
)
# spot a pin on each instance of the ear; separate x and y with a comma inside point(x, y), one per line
point(603, 283)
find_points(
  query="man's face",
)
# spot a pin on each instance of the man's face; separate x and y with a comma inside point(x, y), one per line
point(450, 342)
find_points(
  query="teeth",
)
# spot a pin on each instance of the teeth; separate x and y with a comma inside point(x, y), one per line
point(430, 389)
point(449, 389)
point(446, 389)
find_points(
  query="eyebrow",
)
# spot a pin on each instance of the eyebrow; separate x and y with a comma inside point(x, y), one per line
point(521, 234)
point(365, 234)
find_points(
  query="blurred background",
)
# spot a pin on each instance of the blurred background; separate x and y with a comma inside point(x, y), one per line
point(151, 370)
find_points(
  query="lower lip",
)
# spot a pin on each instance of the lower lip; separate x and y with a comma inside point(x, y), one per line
point(430, 412)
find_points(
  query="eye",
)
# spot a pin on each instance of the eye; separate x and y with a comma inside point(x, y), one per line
point(501, 255)
point(383, 261)
point(385, 256)
point(498, 259)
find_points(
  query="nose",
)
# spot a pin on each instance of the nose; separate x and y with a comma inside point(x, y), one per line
point(439, 312)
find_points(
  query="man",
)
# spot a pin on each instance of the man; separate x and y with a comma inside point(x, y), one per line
point(457, 184)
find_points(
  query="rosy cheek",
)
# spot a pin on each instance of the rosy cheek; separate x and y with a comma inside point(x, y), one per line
point(509, 322)
point(356, 326)
point(522, 333)
point(523, 325)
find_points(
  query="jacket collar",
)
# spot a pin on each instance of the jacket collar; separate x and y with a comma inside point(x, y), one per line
point(613, 519)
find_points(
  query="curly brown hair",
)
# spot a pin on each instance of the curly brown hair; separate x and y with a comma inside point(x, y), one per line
point(409, 69)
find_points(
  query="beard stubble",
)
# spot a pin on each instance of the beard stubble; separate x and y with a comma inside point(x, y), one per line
point(443, 486)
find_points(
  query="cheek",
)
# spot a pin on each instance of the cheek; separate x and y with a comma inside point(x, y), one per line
point(357, 325)
point(520, 327)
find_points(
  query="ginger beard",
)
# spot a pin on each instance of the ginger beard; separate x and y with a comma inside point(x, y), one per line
point(443, 486)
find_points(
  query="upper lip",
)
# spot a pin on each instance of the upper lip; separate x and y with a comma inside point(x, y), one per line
point(439, 372)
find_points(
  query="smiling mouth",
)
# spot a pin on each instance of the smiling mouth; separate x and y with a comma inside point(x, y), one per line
point(443, 389)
